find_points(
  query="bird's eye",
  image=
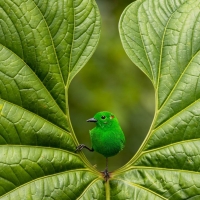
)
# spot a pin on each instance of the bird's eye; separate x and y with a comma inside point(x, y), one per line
point(103, 117)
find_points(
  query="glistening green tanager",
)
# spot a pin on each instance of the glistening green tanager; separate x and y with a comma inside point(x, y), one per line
point(107, 137)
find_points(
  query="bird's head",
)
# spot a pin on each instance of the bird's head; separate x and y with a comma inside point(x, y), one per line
point(103, 119)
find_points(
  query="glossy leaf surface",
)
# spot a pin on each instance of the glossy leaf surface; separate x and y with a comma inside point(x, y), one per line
point(161, 38)
point(43, 45)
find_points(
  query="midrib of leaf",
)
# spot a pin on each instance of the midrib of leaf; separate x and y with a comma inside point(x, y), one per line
point(140, 152)
point(33, 116)
point(164, 147)
point(171, 92)
point(82, 155)
point(165, 122)
point(51, 42)
point(122, 30)
point(67, 86)
point(153, 78)
point(25, 64)
point(69, 66)
point(181, 75)
point(70, 79)
point(160, 61)
point(72, 68)
point(42, 147)
point(141, 187)
point(141, 167)
point(87, 188)
point(66, 91)
point(15, 29)
point(44, 177)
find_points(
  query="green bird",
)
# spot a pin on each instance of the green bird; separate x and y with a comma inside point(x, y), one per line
point(107, 137)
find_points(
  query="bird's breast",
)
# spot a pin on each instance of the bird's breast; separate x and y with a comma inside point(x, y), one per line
point(107, 143)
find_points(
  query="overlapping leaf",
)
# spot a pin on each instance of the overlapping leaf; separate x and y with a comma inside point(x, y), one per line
point(162, 39)
point(43, 44)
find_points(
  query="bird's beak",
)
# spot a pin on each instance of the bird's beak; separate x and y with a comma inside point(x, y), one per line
point(92, 120)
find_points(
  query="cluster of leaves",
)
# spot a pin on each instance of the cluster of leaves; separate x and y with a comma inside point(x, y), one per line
point(43, 45)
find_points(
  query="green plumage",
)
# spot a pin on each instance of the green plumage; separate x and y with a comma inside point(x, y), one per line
point(107, 137)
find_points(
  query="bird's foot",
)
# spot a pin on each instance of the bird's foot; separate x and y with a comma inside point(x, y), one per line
point(79, 147)
point(106, 174)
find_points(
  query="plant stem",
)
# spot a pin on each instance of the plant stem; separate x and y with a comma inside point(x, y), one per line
point(107, 187)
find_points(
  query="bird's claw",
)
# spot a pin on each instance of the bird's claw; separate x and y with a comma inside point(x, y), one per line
point(79, 147)
point(106, 174)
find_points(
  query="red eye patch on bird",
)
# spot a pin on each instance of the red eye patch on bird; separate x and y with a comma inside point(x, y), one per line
point(112, 116)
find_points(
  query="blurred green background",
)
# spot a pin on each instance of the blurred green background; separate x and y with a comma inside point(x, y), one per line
point(110, 81)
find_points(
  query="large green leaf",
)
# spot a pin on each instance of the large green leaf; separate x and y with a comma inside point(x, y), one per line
point(43, 45)
point(162, 39)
